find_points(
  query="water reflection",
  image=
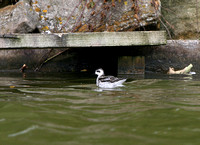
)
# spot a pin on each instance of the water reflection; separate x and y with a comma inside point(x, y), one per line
point(107, 89)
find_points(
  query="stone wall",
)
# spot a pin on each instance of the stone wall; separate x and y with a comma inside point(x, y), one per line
point(35, 58)
point(182, 17)
point(177, 54)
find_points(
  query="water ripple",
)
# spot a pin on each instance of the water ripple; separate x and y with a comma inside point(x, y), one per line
point(24, 131)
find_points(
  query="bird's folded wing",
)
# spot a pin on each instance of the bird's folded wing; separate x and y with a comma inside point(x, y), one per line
point(111, 79)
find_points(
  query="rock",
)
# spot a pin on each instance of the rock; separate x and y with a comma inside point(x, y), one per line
point(4, 3)
point(19, 18)
point(79, 15)
point(183, 18)
point(95, 15)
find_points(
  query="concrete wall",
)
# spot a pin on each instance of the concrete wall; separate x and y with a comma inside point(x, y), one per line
point(177, 54)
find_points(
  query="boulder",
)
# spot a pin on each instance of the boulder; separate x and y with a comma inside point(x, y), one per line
point(18, 18)
point(79, 15)
point(96, 15)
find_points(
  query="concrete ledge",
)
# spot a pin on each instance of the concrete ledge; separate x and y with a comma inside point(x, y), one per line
point(94, 39)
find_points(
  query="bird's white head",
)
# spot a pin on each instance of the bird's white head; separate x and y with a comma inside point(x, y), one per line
point(99, 72)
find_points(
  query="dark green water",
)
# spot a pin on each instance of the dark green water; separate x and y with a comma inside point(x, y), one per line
point(43, 109)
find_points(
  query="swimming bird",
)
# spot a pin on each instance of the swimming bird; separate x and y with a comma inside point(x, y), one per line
point(103, 81)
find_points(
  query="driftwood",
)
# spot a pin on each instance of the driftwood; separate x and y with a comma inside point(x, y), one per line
point(186, 70)
point(23, 68)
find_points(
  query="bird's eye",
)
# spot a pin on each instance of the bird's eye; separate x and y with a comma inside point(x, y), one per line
point(98, 71)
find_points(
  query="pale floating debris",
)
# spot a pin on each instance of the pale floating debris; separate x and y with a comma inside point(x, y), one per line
point(186, 70)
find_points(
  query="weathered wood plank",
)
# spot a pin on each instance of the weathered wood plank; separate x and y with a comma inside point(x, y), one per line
point(131, 65)
point(95, 39)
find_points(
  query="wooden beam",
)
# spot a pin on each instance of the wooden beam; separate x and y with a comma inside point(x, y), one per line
point(93, 39)
point(131, 65)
